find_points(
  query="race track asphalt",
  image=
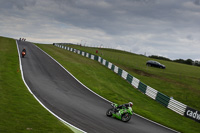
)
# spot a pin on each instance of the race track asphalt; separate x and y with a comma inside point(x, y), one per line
point(67, 98)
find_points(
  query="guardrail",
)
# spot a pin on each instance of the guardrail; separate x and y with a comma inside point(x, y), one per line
point(163, 99)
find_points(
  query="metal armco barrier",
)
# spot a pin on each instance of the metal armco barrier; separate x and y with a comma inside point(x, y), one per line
point(151, 92)
point(124, 74)
point(109, 65)
point(142, 87)
point(135, 82)
point(192, 114)
point(119, 72)
point(163, 99)
point(177, 106)
point(129, 78)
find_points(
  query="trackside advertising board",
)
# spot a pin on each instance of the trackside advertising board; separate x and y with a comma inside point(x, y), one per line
point(192, 114)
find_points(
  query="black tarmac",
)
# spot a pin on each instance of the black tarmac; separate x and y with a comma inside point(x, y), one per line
point(68, 99)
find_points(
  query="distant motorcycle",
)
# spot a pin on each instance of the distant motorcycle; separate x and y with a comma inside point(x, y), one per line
point(123, 114)
point(23, 54)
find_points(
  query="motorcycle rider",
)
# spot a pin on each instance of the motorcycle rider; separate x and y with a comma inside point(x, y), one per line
point(24, 50)
point(126, 105)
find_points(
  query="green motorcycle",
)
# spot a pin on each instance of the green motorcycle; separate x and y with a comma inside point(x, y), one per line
point(123, 114)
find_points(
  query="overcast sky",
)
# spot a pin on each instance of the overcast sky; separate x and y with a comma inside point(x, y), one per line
point(169, 28)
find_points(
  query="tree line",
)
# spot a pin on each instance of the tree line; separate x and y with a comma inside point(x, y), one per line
point(187, 61)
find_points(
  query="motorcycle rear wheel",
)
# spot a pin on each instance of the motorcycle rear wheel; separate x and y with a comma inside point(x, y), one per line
point(109, 112)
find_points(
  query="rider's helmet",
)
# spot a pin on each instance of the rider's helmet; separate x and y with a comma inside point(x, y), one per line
point(130, 104)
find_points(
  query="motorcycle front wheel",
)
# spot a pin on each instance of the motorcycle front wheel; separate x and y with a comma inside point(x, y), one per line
point(109, 112)
point(126, 117)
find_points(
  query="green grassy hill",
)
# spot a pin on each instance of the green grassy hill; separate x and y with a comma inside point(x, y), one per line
point(19, 110)
point(111, 86)
point(178, 80)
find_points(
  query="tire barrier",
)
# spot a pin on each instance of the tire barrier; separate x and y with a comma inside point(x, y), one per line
point(163, 99)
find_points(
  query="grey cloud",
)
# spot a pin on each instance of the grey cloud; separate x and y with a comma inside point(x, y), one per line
point(197, 2)
point(189, 37)
point(20, 4)
point(97, 14)
point(116, 17)
point(136, 25)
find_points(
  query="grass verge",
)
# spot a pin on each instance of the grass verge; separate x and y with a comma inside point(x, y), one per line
point(109, 85)
point(19, 111)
